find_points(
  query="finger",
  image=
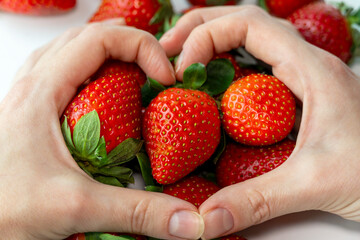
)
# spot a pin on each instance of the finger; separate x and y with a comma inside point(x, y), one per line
point(173, 40)
point(83, 55)
point(113, 209)
point(263, 37)
point(281, 191)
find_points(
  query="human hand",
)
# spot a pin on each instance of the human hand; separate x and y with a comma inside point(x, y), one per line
point(43, 192)
point(322, 172)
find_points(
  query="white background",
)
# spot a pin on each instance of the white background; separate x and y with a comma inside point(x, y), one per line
point(20, 35)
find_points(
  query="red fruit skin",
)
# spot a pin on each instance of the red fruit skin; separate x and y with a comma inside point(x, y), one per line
point(137, 13)
point(37, 7)
point(111, 67)
point(181, 129)
point(239, 163)
point(258, 110)
point(77, 236)
point(117, 100)
point(283, 8)
point(204, 2)
point(232, 237)
point(193, 189)
point(324, 26)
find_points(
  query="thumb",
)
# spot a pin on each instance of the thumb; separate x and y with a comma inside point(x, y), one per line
point(114, 209)
point(283, 190)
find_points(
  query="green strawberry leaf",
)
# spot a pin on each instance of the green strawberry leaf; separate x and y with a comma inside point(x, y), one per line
point(145, 168)
point(216, 2)
point(263, 5)
point(86, 133)
point(165, 12)
point(100, 151)
point(109, 181)
point(220, 74)
point(152, 188)
point(65, 129)
point(124, 152)
point(194, 76)
point(123, 174)
point(105, 236)
point(150, 90)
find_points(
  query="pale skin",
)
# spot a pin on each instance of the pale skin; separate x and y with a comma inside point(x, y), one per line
point(43, 193)
point(323, 171)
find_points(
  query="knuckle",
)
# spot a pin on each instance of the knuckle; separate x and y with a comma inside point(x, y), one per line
point(253, 11)
point(260, 209)
point(93, 30)
point(141, 216)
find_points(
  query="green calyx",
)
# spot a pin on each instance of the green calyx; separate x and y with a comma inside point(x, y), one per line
point(106, 236)
point(262, 4)
point(165, 12)
point(213, 79)
point(353, 18)
point(89, 151)
point(216, 2)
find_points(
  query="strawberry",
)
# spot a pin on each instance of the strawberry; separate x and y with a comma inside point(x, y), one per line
point(193, 189)
point(147, 15)
point(283, 8)
point(181, 129)
point(213, 2)
point(101, 125)
point(258, 110)
point(117, 100)
point(239, 163)
point(324, 26)
point(111, 67)
point(35, 7)
point(232, 237)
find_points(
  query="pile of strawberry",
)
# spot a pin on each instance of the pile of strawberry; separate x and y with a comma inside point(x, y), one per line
point(222, 125)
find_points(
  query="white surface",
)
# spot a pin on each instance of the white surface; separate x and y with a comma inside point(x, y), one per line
point(20, 35)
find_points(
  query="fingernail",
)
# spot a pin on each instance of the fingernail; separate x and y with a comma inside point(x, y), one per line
point(217, 222)
point(186, 224)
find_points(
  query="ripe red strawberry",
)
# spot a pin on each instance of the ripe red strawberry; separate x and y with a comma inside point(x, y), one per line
point(36, 7)
point(117, 100)
point(147, 15)
point(213, 2)
point(324, 26)
point(239, 163)
point(258, 110)
point(283, 8)
point(111, 67)
point(77, 236)
point(181, 129)
point(193, 189)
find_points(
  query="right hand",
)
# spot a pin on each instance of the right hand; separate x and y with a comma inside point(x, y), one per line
point(323, 171)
